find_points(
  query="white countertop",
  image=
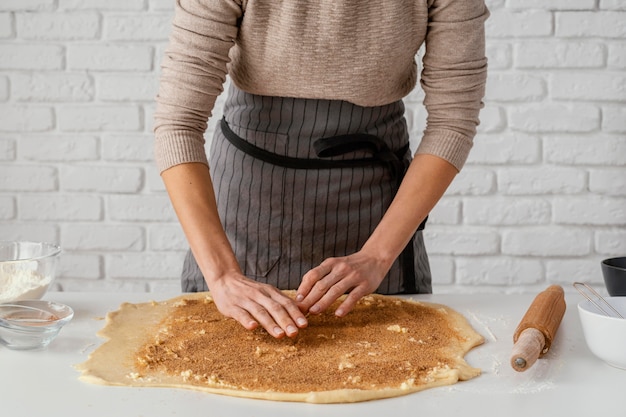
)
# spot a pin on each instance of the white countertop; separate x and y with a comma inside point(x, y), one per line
point(569, 381)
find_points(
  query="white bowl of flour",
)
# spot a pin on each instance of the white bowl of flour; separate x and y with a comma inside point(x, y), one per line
point(27, 269)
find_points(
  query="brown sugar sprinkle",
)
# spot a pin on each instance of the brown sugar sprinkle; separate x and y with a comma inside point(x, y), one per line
point(384, 342)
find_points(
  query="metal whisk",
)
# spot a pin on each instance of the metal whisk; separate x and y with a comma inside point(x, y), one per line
point(577, 285)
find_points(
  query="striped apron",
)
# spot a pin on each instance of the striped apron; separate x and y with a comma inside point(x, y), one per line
point(301, 180)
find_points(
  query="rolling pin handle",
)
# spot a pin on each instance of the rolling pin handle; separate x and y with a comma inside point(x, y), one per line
point(527, 349)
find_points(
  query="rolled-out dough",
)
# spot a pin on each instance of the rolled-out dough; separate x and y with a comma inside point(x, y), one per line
point(385, 347)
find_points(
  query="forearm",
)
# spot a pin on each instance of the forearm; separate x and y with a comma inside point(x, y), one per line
point(191, 191)
point(425, 182)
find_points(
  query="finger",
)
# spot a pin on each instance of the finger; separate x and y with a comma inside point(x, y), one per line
point(317, 282)
point(294, 312)
point(311, 302)
point(286, 313)
point(244, 318)
point(310, 279)
point(348, 304)
point(281, 308)
point(265, 319)
point(329, 295)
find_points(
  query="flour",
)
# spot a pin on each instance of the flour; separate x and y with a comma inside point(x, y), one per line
point(494, 359)
point(21, 284)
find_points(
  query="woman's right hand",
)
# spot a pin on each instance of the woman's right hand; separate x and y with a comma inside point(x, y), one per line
point(253, 303)
point(249, 302)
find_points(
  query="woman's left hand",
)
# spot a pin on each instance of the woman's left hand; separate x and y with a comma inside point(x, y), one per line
point(361, 273)
point(357, 274)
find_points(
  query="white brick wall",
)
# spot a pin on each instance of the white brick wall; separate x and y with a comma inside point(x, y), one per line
point(541, 200)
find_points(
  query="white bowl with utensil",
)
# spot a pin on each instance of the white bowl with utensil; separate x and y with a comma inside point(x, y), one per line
point(605, 331)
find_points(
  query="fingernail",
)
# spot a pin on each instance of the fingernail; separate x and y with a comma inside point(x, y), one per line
point(301, 321)
point(299, 297)
point(315, 309)
point(339, 312)
point(291, 329)
point(278, 331)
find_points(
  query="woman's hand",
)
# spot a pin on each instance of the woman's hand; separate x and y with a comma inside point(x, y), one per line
point(361, 273)
point(249, 302)
point(358, 275)
point(252, 303)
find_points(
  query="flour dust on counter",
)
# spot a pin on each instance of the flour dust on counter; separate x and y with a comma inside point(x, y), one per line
point(502, 379)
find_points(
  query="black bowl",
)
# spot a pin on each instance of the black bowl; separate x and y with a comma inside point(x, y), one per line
point(614, 272)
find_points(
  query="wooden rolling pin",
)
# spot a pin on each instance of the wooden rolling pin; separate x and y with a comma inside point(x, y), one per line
point(534, 334)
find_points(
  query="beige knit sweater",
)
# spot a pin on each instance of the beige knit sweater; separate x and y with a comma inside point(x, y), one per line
point(361, 51)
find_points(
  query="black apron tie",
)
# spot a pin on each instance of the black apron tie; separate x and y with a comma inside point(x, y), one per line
point(327, 147)
point(340, 145)
point(336, 146)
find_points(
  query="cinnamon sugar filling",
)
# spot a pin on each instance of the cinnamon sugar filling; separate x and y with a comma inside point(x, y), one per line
point(384, 342)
